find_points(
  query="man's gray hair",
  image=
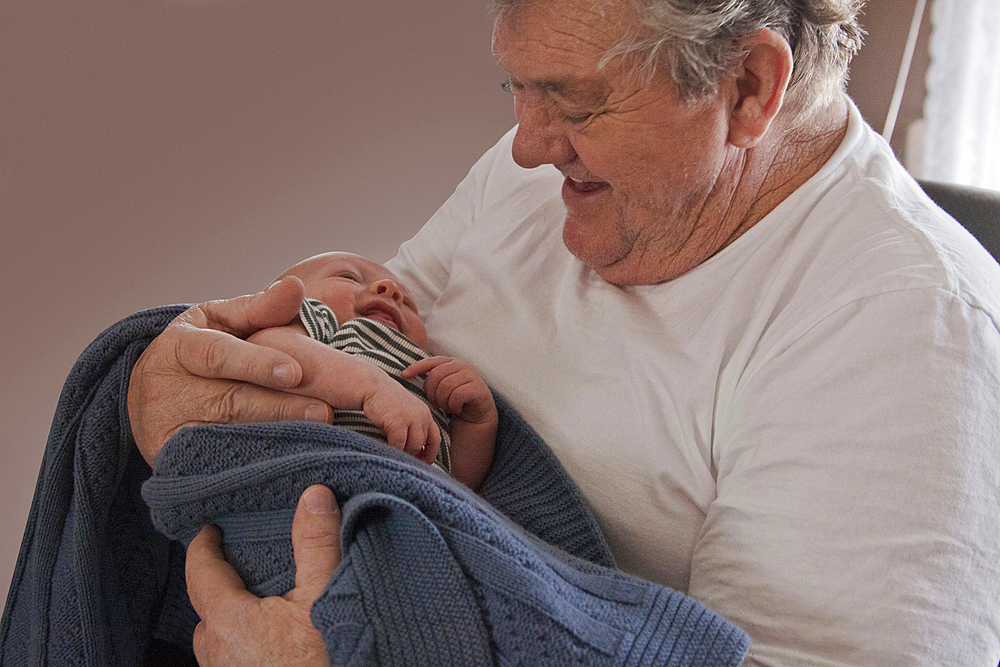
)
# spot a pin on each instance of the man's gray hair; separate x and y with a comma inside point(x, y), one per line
point(696, 41)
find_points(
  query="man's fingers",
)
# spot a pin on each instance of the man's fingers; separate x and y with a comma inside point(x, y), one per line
point(315, 541)
point(238, 628)
point(211, 581)
point(244, 315)
point(213, 354)
point(172, 386)
point(241, 403)
point(207, 339)
point(160, 404)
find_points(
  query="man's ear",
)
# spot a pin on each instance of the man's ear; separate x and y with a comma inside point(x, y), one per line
point(758, 86)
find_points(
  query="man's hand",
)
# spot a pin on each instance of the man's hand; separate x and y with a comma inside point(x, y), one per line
point(200, 371)
point(239, 629)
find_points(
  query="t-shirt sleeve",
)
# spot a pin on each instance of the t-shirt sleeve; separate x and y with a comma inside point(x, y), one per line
point(424, 262)
point(857, 507)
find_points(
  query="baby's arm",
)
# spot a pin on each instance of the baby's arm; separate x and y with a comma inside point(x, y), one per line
point(349, 383)
point(455, 387)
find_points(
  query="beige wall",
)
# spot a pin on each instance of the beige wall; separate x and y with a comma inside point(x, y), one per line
point(178, 150)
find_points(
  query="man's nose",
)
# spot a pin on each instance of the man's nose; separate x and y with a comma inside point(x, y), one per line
point(387, 288)
point(539, 139)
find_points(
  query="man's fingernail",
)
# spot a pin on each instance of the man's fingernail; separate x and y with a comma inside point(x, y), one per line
point(316, 413)
point(284, 373)
point(318, 501)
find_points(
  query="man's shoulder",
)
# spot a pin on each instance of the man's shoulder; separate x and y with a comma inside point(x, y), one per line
point(859, 237)
point(886, 234)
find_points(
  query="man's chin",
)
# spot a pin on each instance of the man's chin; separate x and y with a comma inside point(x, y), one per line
point(586, 243)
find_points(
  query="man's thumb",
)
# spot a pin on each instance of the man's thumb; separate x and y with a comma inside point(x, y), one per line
point(315, 540)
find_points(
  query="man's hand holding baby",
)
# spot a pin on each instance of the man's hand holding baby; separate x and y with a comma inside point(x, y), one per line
point(321, 375)
point(200, 371)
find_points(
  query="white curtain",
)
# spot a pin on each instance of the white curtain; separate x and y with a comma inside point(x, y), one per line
point(962, 108)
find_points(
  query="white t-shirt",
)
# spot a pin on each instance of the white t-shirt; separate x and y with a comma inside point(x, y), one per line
point(803, 432)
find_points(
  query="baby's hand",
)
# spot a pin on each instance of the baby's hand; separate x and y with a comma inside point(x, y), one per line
point(405, 420)
point(455, 387)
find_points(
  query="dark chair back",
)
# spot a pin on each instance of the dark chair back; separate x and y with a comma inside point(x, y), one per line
point(978, 210)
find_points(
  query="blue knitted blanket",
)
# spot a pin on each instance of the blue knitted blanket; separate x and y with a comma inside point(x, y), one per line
point(432, 574)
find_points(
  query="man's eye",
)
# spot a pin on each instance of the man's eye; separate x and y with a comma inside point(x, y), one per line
point(576, 118)
point(509, 86)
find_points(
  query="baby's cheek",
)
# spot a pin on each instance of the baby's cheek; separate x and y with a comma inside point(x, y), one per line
point(417, 332)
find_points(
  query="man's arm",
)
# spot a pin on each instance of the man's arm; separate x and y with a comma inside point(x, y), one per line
point(200, 370)
point(855, 520)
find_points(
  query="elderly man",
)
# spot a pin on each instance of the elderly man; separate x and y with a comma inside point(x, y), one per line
point(769, 362)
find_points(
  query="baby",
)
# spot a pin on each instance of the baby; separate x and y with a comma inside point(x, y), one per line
point(359, 323)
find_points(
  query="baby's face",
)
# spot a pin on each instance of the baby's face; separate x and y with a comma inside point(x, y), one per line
point(354, 286)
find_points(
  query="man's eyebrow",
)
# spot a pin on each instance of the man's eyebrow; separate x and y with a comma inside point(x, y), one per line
point(576, 91)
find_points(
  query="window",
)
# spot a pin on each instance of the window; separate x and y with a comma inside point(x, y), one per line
point(962, 108)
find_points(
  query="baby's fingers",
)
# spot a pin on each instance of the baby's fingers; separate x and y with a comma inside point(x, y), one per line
point(444, 381)
point(423, 366)
point(461, 395)
point(431, 445)
point(418, 438)
point(397, 435)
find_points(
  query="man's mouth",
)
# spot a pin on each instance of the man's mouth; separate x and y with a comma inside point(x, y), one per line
point(581, 187)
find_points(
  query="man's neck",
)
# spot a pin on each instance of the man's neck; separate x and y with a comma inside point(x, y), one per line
point(775, 169)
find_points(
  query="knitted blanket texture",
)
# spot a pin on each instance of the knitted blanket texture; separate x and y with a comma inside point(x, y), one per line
point(431, 574)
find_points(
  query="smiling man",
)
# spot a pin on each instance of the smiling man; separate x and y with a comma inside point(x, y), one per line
point(631, 155)
point(770, 363)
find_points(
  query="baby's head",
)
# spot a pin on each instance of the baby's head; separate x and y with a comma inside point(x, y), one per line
point(355, 286)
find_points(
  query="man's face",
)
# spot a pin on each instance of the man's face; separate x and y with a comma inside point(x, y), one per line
point(354, 286)
point(639, 165)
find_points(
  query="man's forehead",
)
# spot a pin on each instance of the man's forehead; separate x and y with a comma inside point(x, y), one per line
point(559, 45)
point(589, 24)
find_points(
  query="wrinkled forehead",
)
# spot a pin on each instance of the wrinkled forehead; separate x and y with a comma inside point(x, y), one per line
point(584, 25)
point(561, 45)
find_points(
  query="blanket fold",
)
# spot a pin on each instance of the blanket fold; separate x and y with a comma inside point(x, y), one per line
point(431, 573)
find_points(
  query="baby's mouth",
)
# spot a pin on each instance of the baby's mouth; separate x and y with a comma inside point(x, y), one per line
point(382, 314)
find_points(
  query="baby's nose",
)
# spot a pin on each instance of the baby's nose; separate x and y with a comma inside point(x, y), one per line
point(389, 288)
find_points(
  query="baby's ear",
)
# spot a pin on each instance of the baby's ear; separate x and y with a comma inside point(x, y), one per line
point(757, 86)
